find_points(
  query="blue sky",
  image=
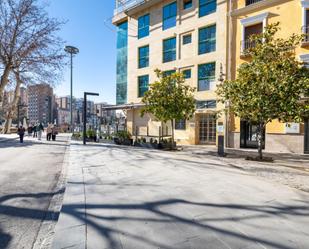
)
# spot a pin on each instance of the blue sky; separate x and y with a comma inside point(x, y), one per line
point(95, 65)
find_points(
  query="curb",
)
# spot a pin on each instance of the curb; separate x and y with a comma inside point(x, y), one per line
point(46, 233)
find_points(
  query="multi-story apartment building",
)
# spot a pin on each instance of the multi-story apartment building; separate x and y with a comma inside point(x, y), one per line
point(40, 103)
point(188, 36)
point(249, 17)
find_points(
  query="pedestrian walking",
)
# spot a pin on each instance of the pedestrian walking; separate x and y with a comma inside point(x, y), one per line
point(21, 132)
point(35, 130)
point(54, 133)
point(49, 132)
point(40, 130)
point(30, 129)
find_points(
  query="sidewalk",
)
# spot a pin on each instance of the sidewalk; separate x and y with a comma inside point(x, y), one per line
point(8, 137)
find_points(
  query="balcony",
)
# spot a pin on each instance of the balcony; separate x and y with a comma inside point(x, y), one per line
point(245, 46)
point(125, 5)
point(305, 32)
point(249, 2)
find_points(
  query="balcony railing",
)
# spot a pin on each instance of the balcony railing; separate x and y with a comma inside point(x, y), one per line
point(305, 31)
point(124, 5)
point(249, 2)
point(246, 45)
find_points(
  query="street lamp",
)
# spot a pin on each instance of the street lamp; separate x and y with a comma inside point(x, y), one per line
point(71, 50)
point(85, 114)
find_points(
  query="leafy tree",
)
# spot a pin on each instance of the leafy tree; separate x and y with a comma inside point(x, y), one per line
point(269, 86)
point(169, 99)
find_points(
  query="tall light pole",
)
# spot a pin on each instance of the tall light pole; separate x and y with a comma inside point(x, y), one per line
point(72, 51)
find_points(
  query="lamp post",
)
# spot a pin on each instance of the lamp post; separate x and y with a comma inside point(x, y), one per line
point(85, 114)
point(72, 51)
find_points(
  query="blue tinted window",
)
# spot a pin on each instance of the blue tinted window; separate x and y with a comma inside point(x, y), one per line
point(180, 124)
point(207, 7)
point(143, 83)
point(206, 104)
point(122, 62)
point(207, 40)
point(143, 26)
point(206, 75)
point(186, 39)
point(169, 49)
point(143, 57)
point(169, 15)
point(187, 73)
point(187, 4)
point(168, 73)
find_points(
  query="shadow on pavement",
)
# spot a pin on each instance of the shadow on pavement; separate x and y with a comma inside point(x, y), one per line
point(109, 231)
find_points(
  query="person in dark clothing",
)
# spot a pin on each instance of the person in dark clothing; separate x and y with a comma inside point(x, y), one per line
point(21, 132)
point(30, 129)
point(35, 131)
point(54, 133)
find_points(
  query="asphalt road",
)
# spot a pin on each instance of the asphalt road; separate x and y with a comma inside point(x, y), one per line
point(29, 173)
point(131, 198)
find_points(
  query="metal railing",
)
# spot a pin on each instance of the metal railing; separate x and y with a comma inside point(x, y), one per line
point(246, 45)
point(124, 5)
point(305, 31)
point(249, 2)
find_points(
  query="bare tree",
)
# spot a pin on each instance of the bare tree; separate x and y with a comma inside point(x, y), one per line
point(28, 42)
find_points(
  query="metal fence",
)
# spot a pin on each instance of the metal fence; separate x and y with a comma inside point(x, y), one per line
point(124, 5)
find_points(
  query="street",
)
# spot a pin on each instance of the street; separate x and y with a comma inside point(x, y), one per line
point(132, 198)
point(29, 174)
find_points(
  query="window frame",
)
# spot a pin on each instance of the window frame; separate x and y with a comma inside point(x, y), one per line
point(208, 41)
point(184, 42)
point(141, 94)
point(140, 58)
point(172, 17)
point(204, 5)
point(139, 29)
point(186, 2)
point(180, 124)
point(173, 50)
point(209, 78)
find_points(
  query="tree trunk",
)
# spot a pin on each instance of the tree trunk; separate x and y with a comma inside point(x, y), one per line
point(172, 122)
point(260, 139)
point(13, 106)
point(4, 81)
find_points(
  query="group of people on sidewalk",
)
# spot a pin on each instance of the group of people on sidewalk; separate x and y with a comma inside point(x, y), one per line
point(37, 130)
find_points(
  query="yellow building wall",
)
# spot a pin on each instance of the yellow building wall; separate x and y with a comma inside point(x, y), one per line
point(289, 15)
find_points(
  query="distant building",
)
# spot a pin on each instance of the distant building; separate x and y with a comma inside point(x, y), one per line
point(40, 103)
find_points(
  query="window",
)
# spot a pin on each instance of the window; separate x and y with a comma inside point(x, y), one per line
point(187, 73)
point(143, 82)
point(207, 40)
point(169, 49)
point(143, 26)
point(180, 124)
point(143, 57)
point(207, 7)
point(206, 75)
point(207, 104)
point(186, 39)
point(168, 73)
point(169, 15)
point(187, 4)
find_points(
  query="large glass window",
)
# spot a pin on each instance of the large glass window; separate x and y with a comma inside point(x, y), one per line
point(143, 26)
point(206, 104)
point(207, 7)
point(169, 49)
point(207, 40)
point(143, 83)
point(206, 75)
point(143, 57)
point(122, 63)
point(169, 15)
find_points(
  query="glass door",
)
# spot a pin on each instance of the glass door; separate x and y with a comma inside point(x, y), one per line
point(207, 129)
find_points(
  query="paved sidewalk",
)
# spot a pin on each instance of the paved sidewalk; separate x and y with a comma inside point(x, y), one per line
point(132, 198)
point(8, 137)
